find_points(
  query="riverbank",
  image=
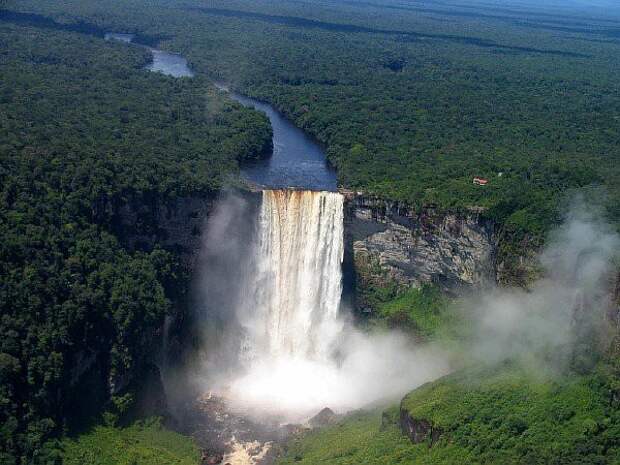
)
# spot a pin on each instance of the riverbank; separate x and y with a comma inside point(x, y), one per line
point(295, 161)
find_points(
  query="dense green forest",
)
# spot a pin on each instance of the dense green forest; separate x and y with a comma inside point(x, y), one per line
point(84, 130)
point(144, 443)
point(412, 100)
point(486, 416)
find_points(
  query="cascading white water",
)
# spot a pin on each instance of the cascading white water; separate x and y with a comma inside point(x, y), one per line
point(290, 304)
point(278, 345)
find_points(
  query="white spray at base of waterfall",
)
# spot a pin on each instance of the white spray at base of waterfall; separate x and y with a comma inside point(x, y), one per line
point(298, 354)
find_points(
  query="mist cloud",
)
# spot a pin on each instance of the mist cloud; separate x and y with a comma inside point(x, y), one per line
point(371, 368)
point(566, 305)
point(543, 325)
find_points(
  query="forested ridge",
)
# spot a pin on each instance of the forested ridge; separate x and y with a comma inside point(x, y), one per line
point(84, 130)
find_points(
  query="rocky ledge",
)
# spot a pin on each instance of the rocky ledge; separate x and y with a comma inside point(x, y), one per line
point(418, 430)
point(391, 242)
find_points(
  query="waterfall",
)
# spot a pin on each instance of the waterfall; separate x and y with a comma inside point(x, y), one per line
point(276, 346)
point(289, 306)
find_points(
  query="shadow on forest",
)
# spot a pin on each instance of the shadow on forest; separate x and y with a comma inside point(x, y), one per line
point(28, 19)
point(81, 27)
point(509, 16)
point(352, 28)
point(533, 20)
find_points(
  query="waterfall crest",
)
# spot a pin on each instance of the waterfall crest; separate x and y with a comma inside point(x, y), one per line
point(290, 303)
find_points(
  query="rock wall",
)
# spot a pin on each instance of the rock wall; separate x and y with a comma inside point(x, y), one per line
point(388, 242)
point(418, 430)
point(177, 225)
point(174, 224)
point(141, 222)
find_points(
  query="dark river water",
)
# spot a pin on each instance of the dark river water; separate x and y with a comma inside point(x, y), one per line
point(298, 161)
point(166, 63)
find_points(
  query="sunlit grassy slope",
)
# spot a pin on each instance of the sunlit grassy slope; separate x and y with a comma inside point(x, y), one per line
point(491, 416)
point(424, 311)
point(143, 443)
point(358, 439)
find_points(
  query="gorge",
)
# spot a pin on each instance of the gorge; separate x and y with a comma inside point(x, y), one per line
point(276, 285)
point(278, 344)
point(283, 353)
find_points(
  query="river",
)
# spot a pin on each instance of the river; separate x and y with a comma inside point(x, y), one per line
point(298, 161)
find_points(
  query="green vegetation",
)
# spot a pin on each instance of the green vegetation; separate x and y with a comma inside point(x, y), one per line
point(143, 443)
point(506, 415)
point(84, 133)
point(411, 101)
point(358, 439)
point(424, 311)
point(487, 416)
point(373, 286)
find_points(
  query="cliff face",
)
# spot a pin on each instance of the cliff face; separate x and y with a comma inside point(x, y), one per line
point(142, 223)
point(388, 242)
point(174, 224)
point(418, 430)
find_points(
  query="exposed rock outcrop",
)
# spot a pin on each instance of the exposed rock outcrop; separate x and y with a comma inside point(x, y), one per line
point(208, 457)
point(418, 430)
point(174, 224)
point(389, 242)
